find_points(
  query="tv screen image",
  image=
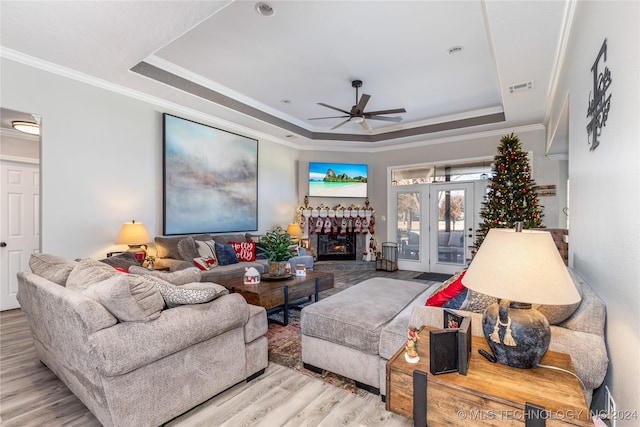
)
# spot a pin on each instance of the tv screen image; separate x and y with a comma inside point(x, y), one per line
point(337, 180)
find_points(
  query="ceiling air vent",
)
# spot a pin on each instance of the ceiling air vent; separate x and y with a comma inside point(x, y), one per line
point(522, 87)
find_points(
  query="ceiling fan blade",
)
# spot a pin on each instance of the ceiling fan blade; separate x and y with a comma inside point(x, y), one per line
point(333, 108)
point(340, 124)
point(379, 112)
point(332, 117)
point(386, 119)
point(363, 102)
point(366, 126)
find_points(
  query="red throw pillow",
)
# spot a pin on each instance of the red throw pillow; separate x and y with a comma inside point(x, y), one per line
point(447, 291)
point(245, 251)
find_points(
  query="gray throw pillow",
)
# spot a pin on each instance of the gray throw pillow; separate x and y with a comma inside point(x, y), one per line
point(123, 260)
point(128, 297)
point(187, 248)
point(192, 293)
point(52, 267)
point(87, 272)
point(180, 277)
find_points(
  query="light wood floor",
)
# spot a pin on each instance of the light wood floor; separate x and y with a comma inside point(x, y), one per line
point(31, 395)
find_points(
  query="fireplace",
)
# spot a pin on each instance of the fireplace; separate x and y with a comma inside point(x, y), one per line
point(332, 247)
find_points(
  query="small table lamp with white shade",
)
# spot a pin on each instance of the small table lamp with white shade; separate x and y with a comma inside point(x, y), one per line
point(135, 235)
point(294, 231)
point(520, 268)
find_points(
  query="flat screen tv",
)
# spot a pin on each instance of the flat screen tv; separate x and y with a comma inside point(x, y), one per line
point(337, 180)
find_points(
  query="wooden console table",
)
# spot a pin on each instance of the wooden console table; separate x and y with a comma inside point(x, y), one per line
point(491, 394)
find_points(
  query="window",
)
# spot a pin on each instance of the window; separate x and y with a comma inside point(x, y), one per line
point(459, 172)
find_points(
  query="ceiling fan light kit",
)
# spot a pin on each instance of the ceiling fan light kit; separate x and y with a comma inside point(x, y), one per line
point(357, 113)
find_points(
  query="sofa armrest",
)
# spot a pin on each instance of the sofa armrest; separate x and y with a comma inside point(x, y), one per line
point(53, 310)
point(588, 353)
point(130, 345)
point(590, 315)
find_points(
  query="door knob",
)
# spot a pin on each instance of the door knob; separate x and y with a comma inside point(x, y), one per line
point(2, 244)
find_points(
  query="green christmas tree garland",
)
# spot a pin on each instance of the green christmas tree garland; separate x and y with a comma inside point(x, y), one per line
point(512, 195)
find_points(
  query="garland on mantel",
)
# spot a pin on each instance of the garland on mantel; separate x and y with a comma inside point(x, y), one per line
point(341, 220)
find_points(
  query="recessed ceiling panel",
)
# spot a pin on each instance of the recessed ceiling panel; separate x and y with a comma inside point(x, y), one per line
point(309, 52)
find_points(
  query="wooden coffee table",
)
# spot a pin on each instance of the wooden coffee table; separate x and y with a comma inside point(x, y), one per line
point(278, 294)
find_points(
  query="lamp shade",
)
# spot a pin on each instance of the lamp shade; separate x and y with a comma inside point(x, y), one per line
point(521, 266)
point(133, 234)
point(294, 230)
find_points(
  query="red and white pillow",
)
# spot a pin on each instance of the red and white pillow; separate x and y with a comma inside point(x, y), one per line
point(205, 263)
point(245, 251)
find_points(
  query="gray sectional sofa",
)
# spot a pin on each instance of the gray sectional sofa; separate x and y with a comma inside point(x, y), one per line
point(156, 365)
point(355, 332)
point(177, 253)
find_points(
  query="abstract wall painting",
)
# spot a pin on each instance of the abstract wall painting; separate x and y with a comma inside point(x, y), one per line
point(210, 179)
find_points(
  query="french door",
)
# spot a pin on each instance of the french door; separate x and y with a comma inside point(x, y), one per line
point(452, 225)
point(433, 224)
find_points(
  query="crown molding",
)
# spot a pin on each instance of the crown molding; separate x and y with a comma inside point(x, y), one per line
point(12, 133)
point(233, 127)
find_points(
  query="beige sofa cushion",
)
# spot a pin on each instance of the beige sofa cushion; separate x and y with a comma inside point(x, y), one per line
point(128, 297)
point(52, 267)
point(87, 272)
point(167, 246)
point(180, 277)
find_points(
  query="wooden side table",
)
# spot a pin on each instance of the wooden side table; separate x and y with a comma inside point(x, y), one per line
point(491, 394)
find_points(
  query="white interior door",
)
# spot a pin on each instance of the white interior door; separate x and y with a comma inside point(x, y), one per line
point(19, 225)
point(452, 226)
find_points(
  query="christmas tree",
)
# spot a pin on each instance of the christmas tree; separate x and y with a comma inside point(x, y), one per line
point(512, 196)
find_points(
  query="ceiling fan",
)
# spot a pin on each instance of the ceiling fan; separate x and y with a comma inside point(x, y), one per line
point(357, 113)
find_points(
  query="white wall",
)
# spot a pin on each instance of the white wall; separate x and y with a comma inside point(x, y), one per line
point(102, 162)
point(12, 145)
point(605, 183)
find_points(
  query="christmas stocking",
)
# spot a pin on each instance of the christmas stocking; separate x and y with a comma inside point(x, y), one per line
point(343, 227)
point(319, 223)
point(372, 221)
point(358, 225)
point(327, 226)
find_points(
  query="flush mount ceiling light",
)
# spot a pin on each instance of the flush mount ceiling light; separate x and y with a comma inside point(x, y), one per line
point(26, 127)
point(264, 9)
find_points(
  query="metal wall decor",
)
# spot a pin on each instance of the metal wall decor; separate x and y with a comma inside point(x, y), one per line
point(599, 100)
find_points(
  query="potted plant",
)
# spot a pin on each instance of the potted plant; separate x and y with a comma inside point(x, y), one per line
point(277, 246)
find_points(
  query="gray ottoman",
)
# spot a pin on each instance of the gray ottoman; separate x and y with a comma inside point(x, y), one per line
point(341, 333)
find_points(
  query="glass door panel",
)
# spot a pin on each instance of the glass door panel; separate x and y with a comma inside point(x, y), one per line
point(408, 225)
point(452, 220)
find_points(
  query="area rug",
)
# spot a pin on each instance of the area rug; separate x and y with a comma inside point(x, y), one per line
point(436, 277)
point(285, 348)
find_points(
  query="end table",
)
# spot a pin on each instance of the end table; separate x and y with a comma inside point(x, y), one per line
point(491, 394)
